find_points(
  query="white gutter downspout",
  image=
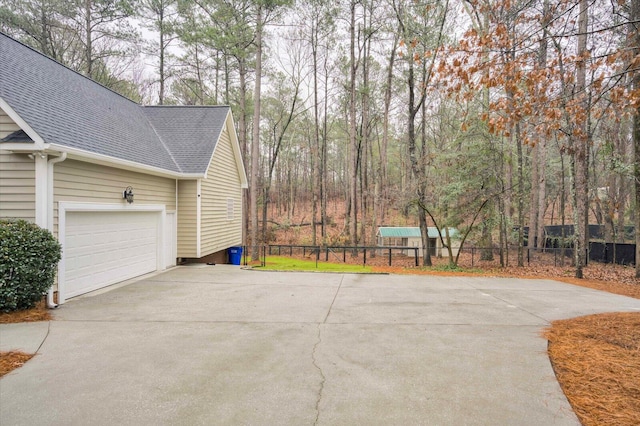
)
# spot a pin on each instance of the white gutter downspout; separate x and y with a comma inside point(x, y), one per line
point(50, 303)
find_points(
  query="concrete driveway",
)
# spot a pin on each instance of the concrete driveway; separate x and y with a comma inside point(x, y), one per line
point(216, 345)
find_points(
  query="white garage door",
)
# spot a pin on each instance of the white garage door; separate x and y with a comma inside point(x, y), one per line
point(103, 248)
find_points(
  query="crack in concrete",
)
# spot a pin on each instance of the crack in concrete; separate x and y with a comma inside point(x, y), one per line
point(45, 337)
point(323, 377)
point(314, 359)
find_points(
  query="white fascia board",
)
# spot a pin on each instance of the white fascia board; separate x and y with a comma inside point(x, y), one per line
point(105, 160)
point(38, 142)
point(231, 128)
point(21, 147)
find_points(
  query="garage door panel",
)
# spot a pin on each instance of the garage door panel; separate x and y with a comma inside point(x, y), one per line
point(103, 248)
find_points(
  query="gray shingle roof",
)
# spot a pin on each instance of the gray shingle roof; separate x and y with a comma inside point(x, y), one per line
point(411, 232)
point(188, 132)
point(70, 110)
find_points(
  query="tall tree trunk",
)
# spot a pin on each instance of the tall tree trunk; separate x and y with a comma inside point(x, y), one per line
point(242, 136)
point(161, 70)
point(88, 38)
point(563, 211)
point(365, 149)
point(541, 146)
point(44, 37)
point(353, 142)
point(265, 208)
point(199, 77)
point(507, 154)
point(426, 242)
point(227, 88)
point(542, 191)
point(636, 144)
point(255, 142)
point(520, 195)
point(317, 193)
point(538, 155)
point(505, 203)
point(534, 199)
point(486, 239)
point(382, 172)
point(324, 195)
point(581, 151)
point(633, 28)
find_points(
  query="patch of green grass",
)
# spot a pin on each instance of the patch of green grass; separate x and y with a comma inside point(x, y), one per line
point(452, 268)
point(447, 268)
point(281, 263)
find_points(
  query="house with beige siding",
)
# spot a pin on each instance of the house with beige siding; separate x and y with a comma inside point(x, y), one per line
point(127, 189)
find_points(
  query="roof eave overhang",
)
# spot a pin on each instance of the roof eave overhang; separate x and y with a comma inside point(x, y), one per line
point(105, 160)
point(22, 147)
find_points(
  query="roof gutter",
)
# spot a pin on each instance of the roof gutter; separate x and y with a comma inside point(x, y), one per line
point(110, 161)
point(63, 156)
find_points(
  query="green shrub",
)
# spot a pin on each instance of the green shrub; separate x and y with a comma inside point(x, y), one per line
point(28, 259)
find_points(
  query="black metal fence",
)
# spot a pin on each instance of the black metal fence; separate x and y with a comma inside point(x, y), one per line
point(542, 256)
point(340, 253)
point(596, 232)
point(623, 254)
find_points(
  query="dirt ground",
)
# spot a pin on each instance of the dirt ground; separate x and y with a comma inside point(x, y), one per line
point(596, 358)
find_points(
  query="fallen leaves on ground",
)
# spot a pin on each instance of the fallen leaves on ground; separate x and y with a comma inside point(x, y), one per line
point(11, 360)
point(597, 361)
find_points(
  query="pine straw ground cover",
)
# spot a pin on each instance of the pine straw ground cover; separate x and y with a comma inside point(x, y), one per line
point(597, 361)
point(11, 360)
point(39, 313)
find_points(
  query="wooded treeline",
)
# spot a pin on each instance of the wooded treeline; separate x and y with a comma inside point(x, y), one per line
point(483, 115)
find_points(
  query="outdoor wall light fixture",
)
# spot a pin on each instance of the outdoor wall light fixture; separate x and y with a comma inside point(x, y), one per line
point(127, 194)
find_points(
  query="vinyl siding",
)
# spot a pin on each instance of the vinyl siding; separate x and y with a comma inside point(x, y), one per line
point(77, 181)
point(187, 218)
point(7, 125)
point(17, 186)
point(222, 183)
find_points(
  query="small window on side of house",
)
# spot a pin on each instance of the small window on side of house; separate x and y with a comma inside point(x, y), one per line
point(230, 209)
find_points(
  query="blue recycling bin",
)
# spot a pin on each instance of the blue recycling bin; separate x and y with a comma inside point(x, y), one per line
point(235, 255)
